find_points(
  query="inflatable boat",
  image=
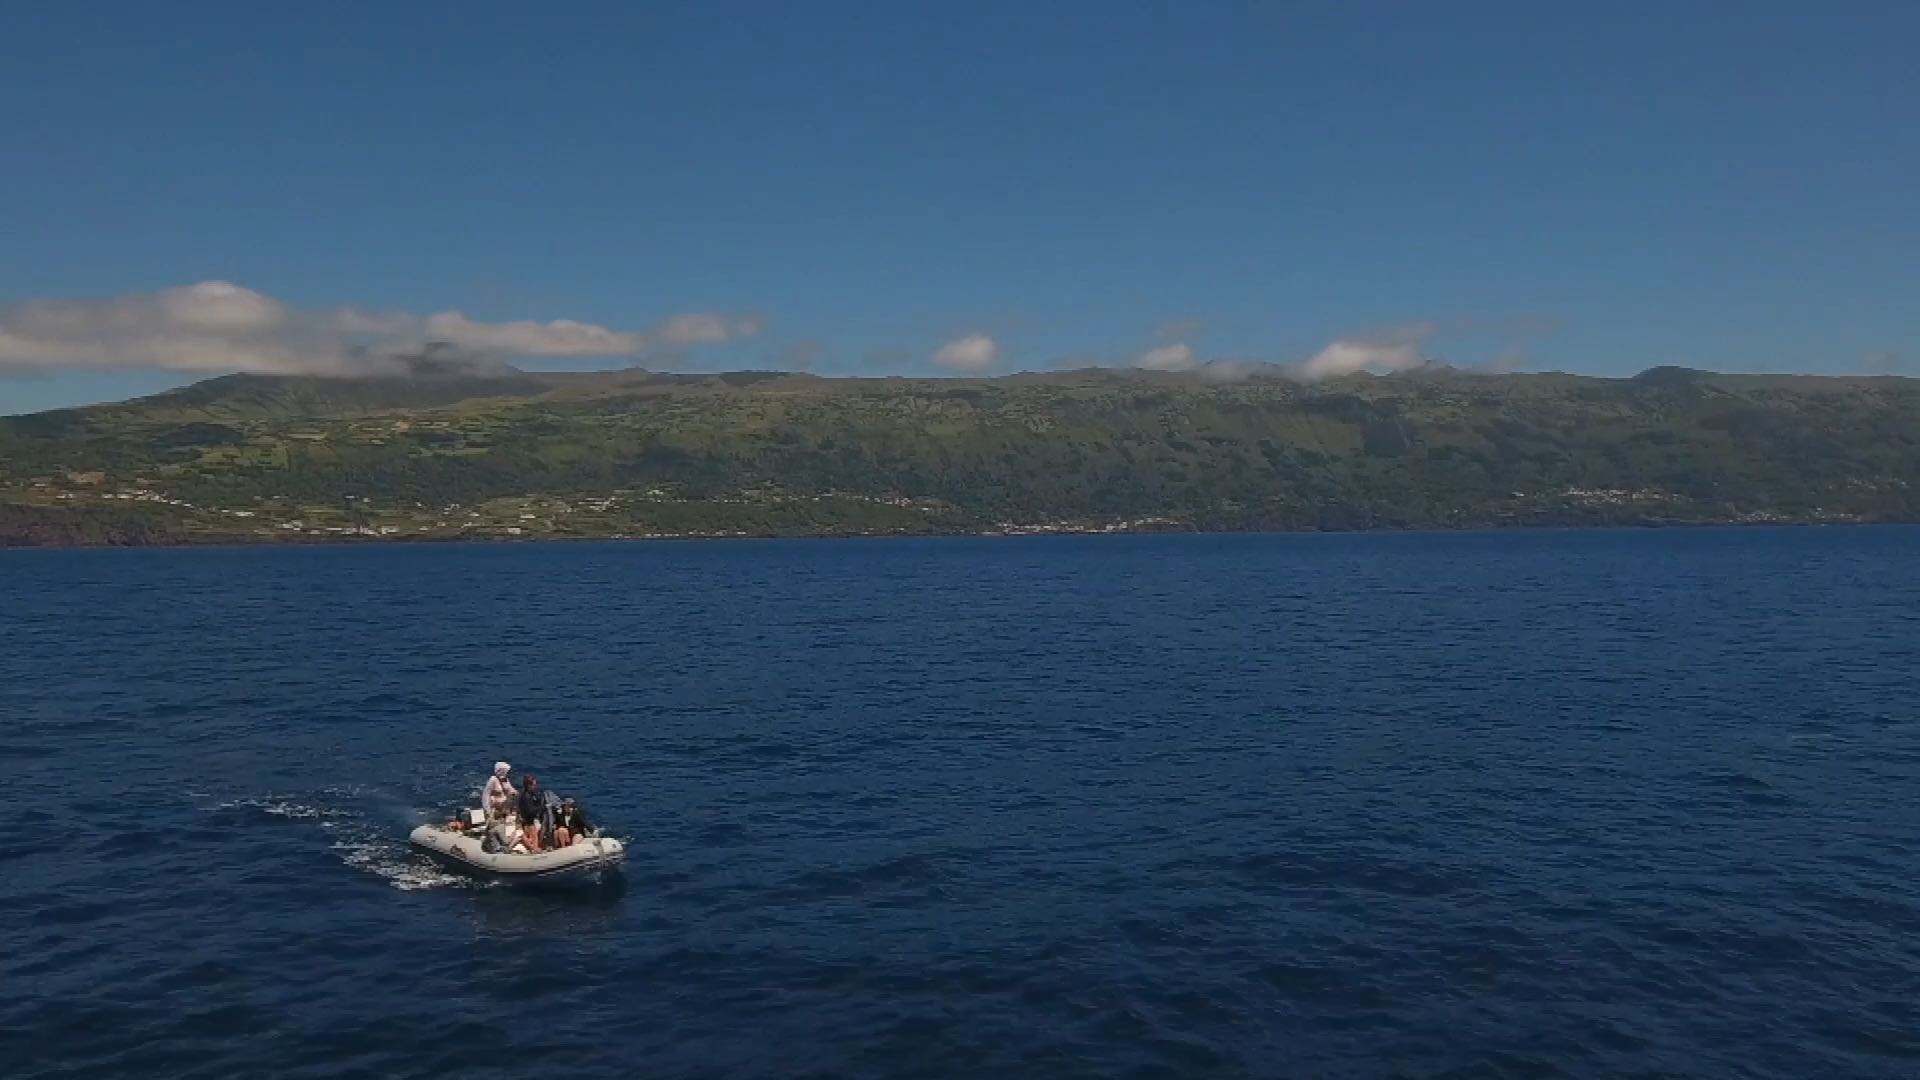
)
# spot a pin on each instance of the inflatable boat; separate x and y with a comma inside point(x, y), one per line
point(584, 862)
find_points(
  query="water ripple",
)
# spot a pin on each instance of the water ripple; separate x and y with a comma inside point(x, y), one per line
point(1520, 805)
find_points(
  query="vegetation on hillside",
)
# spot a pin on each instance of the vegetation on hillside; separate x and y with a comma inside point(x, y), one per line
point(632, 454)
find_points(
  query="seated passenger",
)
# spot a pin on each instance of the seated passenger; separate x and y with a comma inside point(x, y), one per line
point(572, 824)
point(502, 837)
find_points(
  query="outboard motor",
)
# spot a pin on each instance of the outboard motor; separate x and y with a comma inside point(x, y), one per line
point(549, 816)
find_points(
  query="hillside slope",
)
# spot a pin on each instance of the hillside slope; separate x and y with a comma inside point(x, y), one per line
point(629, 453)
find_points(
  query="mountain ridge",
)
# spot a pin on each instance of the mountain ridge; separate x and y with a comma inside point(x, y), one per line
point(453, 455)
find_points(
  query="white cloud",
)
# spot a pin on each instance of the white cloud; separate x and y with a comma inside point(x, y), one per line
point(218, 306)
point(1347, 357)
point(1393, 349)
point(216, 326)
point(562, 337)
point(1175, 357)
point(975, 352)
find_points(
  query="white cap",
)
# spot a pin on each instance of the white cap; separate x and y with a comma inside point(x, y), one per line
point(501, 768)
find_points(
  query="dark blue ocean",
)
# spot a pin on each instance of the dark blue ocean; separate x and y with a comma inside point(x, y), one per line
point(1544, 804)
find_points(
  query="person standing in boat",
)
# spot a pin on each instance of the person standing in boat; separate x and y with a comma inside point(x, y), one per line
point(533, 812)
point(499, 799)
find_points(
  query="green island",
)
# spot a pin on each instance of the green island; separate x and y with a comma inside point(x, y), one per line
point(635, 454)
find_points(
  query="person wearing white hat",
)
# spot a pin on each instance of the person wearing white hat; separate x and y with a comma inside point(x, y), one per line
point(499, 798)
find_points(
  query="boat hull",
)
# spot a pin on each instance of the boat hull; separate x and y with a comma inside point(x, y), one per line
point(585, 862)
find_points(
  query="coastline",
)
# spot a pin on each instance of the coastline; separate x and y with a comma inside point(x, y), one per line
point(245, 542)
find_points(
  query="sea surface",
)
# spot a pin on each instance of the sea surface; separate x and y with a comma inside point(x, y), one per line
point(1541, 804)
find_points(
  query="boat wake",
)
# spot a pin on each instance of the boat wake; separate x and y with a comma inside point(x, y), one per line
point(360, 841)
point(399, 867)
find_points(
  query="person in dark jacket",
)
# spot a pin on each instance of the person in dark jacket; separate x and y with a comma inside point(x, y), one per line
point(573, 823)
point(533, 804)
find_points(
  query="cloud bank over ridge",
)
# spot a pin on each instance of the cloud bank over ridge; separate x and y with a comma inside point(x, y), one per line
point(216, 327)
point(1380, 351)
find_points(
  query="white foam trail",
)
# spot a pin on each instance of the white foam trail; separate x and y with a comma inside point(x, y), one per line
point(360, 843)
point(280, 807)
point(400, 869)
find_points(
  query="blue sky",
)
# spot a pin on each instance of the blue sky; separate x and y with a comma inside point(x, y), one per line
point(855, 187)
